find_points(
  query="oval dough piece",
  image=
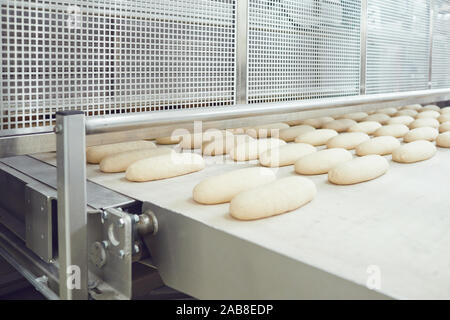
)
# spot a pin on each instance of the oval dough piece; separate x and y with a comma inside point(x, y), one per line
point(317, 122)
point(395, 130)
point(431, 107)
point(443, 140)
point(406, 112)
point(119, 162)
point(252, 149)
point(416, 107)
point(378, 117)
point(285, 155)
point(95, 154)
point(424, 122)
point(164, 166)
point(294, 122)
point(422, 133)
point(414, 151)
point(357, 116)
point(428, 114)
point(289, 134)
point(267, 130)
point(389, 111)
point(317, 137)
point(168, 140)
point(347, 140)
point(358, 170)
point(444, 127)
point(340, 125)
point(379, 145)
point(445, 110)
point(222, 188)
point(321, 161)
point(406, 120)
point(275, 198)
point(219, 146)
point(444, 118)
point(192, 141)
point(368, 127)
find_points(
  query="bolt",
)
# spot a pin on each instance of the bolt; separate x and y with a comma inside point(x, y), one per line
point(105, 244)
point(121, 254)
point(136, 218)
point(120, 223)
point(136, 248)
point(57, 128)
point(104, 215)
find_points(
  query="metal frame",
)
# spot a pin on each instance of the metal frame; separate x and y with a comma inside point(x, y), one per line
point(362, 70)
point(241, 51)
point(430, 61)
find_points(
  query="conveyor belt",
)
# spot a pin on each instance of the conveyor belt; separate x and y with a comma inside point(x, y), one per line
point(397, 224)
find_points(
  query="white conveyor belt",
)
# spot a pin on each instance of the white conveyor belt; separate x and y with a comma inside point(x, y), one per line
point(398, 224)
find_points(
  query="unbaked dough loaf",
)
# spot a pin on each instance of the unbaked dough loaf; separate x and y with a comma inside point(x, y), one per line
point(119, 162)
point(428, 114)
point(347, 140)
point(169, 140)
point(289, 134)
point(379, 145)
point(164, 166)
point(219, 146)
point(358, 170)
point(444, 118)
point(406, 120)
point(317, 122)
point(192, 141)
point(444, 127)
point(321, 161)
point(340, 125)
point(95, 154)
point(378, 117)
point(317, 137)
point(285, 155)
point(357, 116)
point(389, 111)
point(443, 140)
point(222, 188)
point(368, 127)
point(267, 130)
point(431, 107)
point(407, 112)
point(275, 198)
point(445, 110)
point(395, 130)
point(416, 107)
point(414, 151)
point(252, 149)
point(422, 133)
point(424, 122)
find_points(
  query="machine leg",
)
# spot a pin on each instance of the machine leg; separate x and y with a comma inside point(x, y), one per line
point(72, 216)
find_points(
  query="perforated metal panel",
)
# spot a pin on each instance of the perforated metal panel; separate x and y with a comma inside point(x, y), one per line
point(107, 57)
point(441, 44)
point(398, 44)
point(303, 49)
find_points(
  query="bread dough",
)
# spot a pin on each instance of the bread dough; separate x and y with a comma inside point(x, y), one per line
point(395, 130)
point(275, 198)
point(285, 155)
point(294, 122)
point(444, 118)
point(428, 114)
point(289, 134)
point(95, 154)
point(445, 110)
point(406, 112)
point(317, 137)
point(168, 140)
point(222, 188)
point(424, 122)
point(224, 145)
point(444, 127)
point(164, 166)
point(406, 120)
point(443, 140)
point(358, 170)
point(378, 117)
point(416, 107)
point(422, 133)
point(379, 145)
point(389, 111)
point(252, 149)
point(340, 125)
point(192, 141)
point(368, 127)
point(318, 122)
point(414, 151)
point(357, 116)
point(347, 140)
point(267, 130)
point(431, 107)
point(321, 161)
point(119, 162)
